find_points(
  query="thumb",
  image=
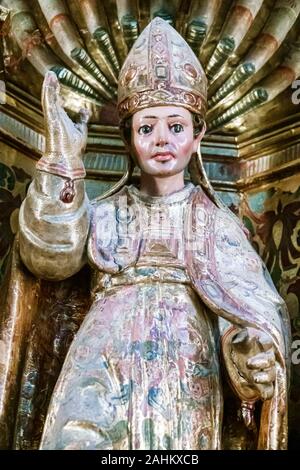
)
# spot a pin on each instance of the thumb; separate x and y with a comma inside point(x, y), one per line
point(83, 119)
point(84, 115)
point(242, 341)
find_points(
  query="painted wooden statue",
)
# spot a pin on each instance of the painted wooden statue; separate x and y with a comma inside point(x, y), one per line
point(181, 305)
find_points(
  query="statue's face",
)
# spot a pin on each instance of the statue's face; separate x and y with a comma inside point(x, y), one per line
point(163, 140)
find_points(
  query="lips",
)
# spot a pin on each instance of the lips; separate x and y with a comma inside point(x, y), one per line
point(163, 156)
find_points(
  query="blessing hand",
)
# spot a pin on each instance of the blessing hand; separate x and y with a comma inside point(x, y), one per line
point(63, 137)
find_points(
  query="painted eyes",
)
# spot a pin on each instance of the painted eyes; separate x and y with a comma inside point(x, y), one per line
point(177, 128)
point(147, 129)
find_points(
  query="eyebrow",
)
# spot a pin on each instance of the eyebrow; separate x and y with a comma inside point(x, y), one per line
point(156, 117)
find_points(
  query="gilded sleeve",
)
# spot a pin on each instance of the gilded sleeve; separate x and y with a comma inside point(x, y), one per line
point(53, 233)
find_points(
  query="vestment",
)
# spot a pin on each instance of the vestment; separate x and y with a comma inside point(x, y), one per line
point(144, 371)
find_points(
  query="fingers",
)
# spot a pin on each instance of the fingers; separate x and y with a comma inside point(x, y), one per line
point(50, 95)
point(263, 373)
point(265, 376)
point(62, 135)
point(241, 341)
point(264, 382)
point(240, 337)
point(81, 125)
point(84, 115)
point(264, 341)
point(262, 361)
point(254, 356)
point(252, 340)
point(266, 391)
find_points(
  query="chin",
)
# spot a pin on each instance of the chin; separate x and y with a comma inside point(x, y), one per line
point(165, 174)
point(162, 171)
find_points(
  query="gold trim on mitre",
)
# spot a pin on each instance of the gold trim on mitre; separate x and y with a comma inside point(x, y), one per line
point(161, 69)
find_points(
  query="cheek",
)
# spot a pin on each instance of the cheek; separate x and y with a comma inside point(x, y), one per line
point(142, 146)
point(185, 145)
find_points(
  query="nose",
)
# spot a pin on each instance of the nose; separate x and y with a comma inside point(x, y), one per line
point(161, 135)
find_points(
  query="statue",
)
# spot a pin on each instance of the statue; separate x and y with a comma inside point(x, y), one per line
point(181, 303)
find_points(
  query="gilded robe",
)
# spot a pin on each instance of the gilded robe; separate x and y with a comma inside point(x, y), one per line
point(146, 356)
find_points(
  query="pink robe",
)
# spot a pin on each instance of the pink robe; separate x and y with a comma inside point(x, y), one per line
point(143, 370)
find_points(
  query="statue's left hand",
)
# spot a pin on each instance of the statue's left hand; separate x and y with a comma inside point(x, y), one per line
point(254, 357)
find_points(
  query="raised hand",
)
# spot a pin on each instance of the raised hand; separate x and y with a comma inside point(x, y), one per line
point(63, 137)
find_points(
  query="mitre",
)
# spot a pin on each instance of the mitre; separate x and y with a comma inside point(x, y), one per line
point(161, 69)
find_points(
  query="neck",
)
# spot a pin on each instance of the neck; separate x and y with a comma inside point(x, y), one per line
point(155, 186)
